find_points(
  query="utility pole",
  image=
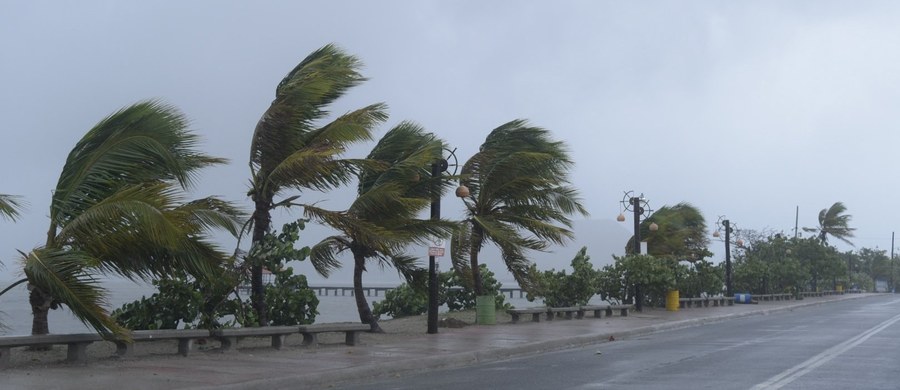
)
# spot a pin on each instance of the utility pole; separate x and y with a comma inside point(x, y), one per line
point(437, 169)
point(636, 205)
point(729, 291)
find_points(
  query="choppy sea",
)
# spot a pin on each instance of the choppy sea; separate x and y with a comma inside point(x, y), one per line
point(15, 313)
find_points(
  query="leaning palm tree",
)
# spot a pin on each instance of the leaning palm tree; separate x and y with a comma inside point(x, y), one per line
point(10, 206)
point(834, 222)
point(682, 233)
point(382, 221)
point(518, 182)
point(292, 150)
point(118, 209)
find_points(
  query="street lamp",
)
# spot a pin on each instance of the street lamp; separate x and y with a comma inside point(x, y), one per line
point(437, 169)
point(724, 224)
point(641, 208)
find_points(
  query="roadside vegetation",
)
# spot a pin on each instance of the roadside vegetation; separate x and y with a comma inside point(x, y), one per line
point(120, 207)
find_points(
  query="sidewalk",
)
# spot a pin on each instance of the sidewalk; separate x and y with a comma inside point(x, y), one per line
point(295, 367)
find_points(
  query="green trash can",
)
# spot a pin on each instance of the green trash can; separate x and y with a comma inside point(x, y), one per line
point(485, 310)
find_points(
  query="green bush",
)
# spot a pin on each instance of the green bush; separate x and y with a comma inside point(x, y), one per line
point(290, 300)
point(459, 295)
point(452, 291)
point(178, 301)
point(402, 301)
point(655, 276)
point(561, 290)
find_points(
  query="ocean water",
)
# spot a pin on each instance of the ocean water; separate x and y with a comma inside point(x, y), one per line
point(15, 312)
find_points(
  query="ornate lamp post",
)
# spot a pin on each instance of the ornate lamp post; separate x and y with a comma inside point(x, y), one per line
point(641, 208)
point(725, 225)
point(437, 169)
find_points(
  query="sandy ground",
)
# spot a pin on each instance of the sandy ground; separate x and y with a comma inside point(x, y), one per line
point(395, 329)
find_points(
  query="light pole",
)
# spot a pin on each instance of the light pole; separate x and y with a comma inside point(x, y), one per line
point(725, 224)
point(641, 208)
point(437, 169)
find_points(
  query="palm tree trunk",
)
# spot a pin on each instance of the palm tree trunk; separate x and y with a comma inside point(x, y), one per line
point(477, 240)
point(365, 313)
point(261, 223)
point(40, 309)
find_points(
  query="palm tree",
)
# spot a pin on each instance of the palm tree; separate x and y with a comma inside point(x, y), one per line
point(290, 150)
point(683, 235)
point(834, 222)
point(10, 206)
point(118, 209)
point(382, 221)
point(518, 181)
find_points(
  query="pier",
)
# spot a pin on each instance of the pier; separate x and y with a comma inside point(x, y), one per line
point(324, 291)
point(375, 291)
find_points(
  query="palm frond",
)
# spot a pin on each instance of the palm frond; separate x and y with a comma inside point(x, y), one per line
point(212, 213)
point(288, 149)
point(62, 274)
point(323, 255)
point(143, 232)
point(147, 141)
point(10, 206)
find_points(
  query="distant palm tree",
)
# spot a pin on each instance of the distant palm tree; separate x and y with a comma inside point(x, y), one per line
point(383, 220)
point(834, 222)
point(682, 233)
point(118, 209)
point(10, 206)
point(291, 150)
point(518, 182)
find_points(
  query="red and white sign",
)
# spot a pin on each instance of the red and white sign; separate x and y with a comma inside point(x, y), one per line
point(436, 248)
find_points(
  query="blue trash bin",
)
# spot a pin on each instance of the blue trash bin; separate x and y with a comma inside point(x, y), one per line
point(742, 298)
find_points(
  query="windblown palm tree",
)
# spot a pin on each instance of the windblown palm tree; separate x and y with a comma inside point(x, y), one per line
point(518, 182)
point(10, 206)
point(682, 233)
point(382, 221)
point(118, 209)
point(291, 150)
point(834, 222)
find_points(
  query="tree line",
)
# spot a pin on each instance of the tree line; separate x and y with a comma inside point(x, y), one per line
point(120, 206)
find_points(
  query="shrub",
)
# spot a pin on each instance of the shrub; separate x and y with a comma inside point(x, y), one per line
point(459, 295)
point(402, 301)
point(409, 301)
point(561, 290)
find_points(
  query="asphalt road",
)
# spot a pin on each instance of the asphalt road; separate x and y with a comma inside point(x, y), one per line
point(842, 345)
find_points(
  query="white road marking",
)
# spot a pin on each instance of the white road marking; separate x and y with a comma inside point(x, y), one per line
point(793, 373)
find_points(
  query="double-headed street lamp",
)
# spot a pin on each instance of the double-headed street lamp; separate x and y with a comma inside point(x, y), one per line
point(725, 225)
point(437, 169)
point(641, 208)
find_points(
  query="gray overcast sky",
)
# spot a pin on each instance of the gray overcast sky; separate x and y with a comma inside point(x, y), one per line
point(747, 109)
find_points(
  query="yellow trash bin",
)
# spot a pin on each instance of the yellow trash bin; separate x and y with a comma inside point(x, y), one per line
point(672, 300)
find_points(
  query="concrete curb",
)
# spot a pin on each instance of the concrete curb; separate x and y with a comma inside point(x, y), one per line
point(463, 359)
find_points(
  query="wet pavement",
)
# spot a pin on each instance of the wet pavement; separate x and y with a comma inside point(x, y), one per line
point(322, 367)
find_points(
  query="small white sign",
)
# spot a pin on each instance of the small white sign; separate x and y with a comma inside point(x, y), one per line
point(436, 248)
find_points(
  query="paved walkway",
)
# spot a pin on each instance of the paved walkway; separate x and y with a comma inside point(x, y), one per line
point(326, 366)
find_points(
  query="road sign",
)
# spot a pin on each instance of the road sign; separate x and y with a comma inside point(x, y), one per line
point(436, 248)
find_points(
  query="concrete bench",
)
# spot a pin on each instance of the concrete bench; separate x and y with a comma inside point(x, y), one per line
point(230, 336)
point(77, 344)
point(185, 339)
point(534, 311)
point(596, 309)
point(568, 311)
point(310, 332)
point(623, 310)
